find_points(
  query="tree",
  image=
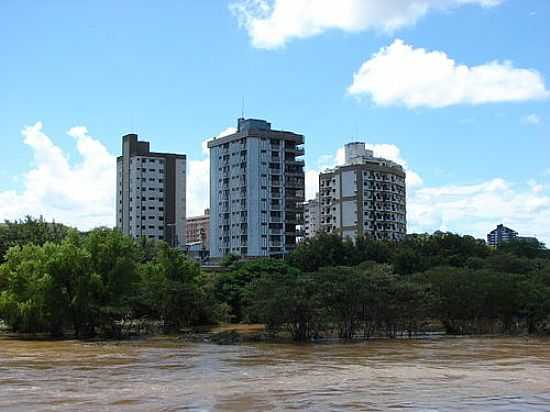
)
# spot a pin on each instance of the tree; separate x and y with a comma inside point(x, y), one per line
point(342, 294)
point(29, 231)
point(113, 257)
point(287, 300)
point(325, 249)
point(169, 288)
point(232, 287)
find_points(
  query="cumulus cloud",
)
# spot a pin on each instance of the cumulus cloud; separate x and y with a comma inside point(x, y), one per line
point(400, 74)
point(226, 132)
point(80, 194)
point(476, 209)
point(533, 119)
point(272, 23)
point(198, 186)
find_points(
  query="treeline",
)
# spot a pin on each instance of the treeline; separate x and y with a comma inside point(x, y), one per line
point(336, 287)
point(61, 282)
point(29, 230)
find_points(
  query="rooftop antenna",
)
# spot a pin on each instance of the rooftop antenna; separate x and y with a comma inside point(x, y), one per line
point(242, 108)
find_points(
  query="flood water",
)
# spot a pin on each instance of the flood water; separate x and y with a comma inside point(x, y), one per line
point(473, 374)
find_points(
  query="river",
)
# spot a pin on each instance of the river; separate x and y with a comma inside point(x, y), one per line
point(446, 374)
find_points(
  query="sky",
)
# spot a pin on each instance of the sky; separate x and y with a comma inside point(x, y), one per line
point(458, 91)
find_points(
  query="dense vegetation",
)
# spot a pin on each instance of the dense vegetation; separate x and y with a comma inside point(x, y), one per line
point(335, 287)
point(58, 281)
point(89, 283)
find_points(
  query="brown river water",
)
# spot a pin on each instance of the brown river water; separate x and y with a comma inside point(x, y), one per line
point(446, 374)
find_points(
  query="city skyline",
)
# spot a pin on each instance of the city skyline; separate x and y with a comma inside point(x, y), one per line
point(473, 135)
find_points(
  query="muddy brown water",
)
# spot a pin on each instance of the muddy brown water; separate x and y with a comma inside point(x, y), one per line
point(466, 374)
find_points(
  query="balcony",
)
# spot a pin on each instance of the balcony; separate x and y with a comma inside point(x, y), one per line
point(295, 173)
point(295, 162)
point(296, 150)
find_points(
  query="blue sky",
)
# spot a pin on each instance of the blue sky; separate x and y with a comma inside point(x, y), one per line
point(476, 137)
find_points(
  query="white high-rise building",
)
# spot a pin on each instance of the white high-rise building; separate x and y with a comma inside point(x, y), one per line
point(151, 194)
point(256, 191)
point(364, 197)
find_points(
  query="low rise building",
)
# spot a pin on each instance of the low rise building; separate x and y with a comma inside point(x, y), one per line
point(312, 223)
point(197, 229)
point(500, 235)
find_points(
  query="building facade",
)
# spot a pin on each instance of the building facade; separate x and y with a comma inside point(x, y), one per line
point(312, 222)
point(364, 197)
point(150, 195)
point(197, 229)
point(256, 191)
point(500, 235)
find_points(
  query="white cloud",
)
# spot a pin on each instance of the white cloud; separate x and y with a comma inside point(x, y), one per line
point(226, 132)
point(83, 194)
point(535, 187)
point(198, 186)
point(80, 194)
point(272, 23)
point(312, 183)
point(533, 119)
point(476, 209)
point(403, 75)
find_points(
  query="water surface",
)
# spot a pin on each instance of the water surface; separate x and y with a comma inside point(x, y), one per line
point(474, 374)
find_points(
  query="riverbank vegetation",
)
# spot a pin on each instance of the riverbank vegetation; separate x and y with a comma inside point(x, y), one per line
point(64, 282)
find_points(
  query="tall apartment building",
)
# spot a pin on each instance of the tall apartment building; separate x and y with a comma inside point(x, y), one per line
point(150, 193)
point(312, 222)
point(364, 197)
point(500, 235)
point(256, 191)
point(197, 229)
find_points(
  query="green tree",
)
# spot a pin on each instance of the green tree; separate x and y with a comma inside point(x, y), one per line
point(287, 300)
point(113, 257)
point(29, 231)
point(169, 288)
point(326, 249)
point(232, 287)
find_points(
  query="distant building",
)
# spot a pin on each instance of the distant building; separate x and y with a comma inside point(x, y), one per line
point(197, 229)
point(364, 197)
point(256, 191)
point(312, 223)
point(500, 235)
point(150, 197)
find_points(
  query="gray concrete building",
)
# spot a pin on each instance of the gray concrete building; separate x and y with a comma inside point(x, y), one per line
point(312, 222)
point(364, 197)
point(151, 193)
point(256, 191)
